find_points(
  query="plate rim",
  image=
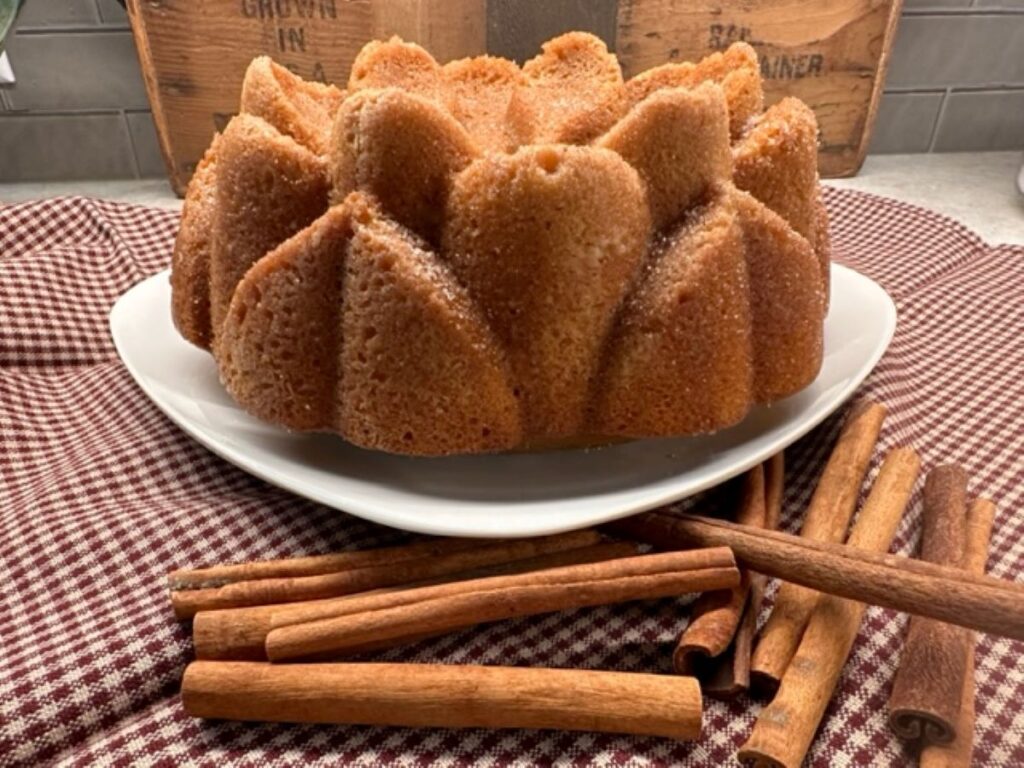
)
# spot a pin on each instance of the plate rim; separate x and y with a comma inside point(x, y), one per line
point(403, 521)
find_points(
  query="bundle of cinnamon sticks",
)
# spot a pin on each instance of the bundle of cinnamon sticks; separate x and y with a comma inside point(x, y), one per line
point(335, 606)
point(319, 611)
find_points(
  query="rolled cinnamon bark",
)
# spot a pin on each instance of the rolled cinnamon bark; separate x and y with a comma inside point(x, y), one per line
point(240, 633)
point(958, 752)
point(827, 519)
point(402, 570)
point(786, 726)
point(314, 565)
point(978, 602)
point(727, 675)
point(925, 699)
point(731, 675)
point(443, 696)
point(503, 597)
point(708, 646)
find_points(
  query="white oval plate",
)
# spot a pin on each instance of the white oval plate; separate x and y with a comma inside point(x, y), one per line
point(525, 494)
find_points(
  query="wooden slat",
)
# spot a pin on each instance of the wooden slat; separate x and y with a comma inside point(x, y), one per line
point(449, 29)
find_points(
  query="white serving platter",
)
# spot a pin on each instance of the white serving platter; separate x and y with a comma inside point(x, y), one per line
point(524, 494)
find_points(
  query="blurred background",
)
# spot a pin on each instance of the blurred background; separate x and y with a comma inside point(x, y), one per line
point(79, 107)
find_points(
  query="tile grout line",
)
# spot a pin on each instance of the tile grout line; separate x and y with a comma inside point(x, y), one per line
point(99, 14)
point(71, 29)
point(898, 90)
point(969, 11)
point(938, 120)
point(85, 112)
point(136, 165)
point(905, 90)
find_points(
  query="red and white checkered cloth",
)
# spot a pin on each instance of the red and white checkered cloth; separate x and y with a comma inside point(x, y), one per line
point(100, 496)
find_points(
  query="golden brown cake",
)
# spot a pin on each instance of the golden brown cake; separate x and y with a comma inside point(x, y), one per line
point(483, 257)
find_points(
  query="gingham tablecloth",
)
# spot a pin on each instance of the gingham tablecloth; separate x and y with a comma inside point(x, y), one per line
point(100, 496)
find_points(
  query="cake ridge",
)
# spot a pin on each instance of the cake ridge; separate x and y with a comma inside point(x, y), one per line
point(550, 221)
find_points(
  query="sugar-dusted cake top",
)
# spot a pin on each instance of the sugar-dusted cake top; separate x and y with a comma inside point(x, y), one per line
point(479, 256)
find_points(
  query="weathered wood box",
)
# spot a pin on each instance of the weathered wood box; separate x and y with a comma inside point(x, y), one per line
point(830, 53)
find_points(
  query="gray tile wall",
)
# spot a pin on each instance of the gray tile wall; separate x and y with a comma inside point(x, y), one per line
point(79, 109)
point(956, 78)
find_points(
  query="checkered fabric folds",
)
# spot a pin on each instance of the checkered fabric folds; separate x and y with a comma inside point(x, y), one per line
point(100, 496)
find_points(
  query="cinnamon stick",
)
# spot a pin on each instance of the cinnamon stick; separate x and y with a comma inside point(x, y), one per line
point(730, 675)
point(827, 518)
point(958, 753)
point(785, 728)
point(219, 575)
point(241, 633)
point(904, 584)
point(717, 616)
point(731, 671)
point(401, 570)
point(445, 696)
point(925, 699)
point(504, 597)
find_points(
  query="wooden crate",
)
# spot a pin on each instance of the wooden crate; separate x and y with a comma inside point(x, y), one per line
point(830, 53)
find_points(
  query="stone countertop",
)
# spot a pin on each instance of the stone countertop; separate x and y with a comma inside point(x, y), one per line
point(978, 189)
point(975, 188)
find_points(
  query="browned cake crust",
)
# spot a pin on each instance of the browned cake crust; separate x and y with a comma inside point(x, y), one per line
point(515, 257)
point(190, 263)
point(787, 301)
point(396, 64)
point(823, 243)
point(421, 366)
point(576, 89)
point(777, 162)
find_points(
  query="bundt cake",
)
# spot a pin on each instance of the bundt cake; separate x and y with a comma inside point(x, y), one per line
point(484, 257)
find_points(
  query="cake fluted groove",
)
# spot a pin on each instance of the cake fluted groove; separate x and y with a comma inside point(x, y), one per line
point(547, 241)
point(268, 187)
point(679, 360)
point(298, 108)
point(678, 141)
point(787, 301)
point(777, 162)
point(421, 370)
point(404, 150)
point(277, 350)
point(735, 70)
